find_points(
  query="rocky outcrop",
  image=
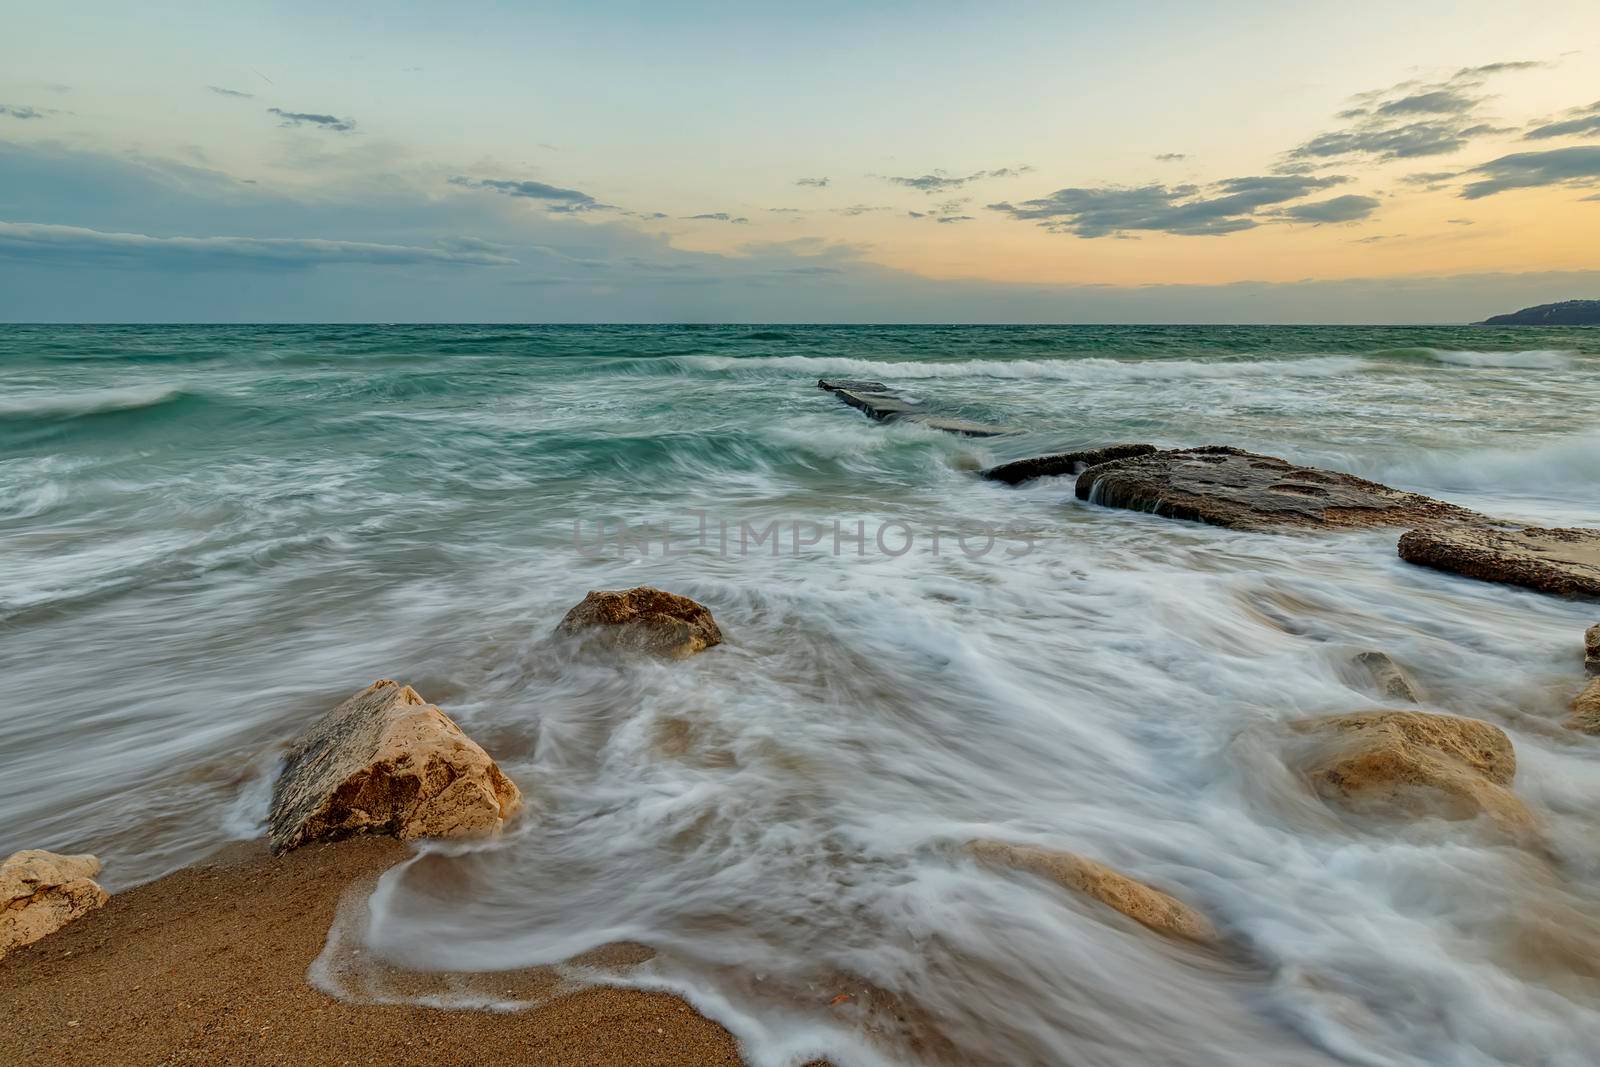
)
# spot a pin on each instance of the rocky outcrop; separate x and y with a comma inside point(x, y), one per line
point(643, 619)
point(388, 762)
point(40, 892)
point(1586, 710)
point(1384, 676)
point(1414, 763)
point(1157, 910)
point(876, 401)
point(1564, 313)
point(1561, 561)
point(1062, 463)
point(1591, 649)
point(1245, 491)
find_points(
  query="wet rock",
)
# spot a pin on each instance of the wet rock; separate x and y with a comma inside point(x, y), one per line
point(1060, 463)
point(1591, 649)
point(1383, 675)
point(1245, 491)
point(1561, 561)
point(1412, 763)
point(40, 892)
point(877, 402)
point(388, 762)
point(854, 385)
point(644, 619)
point(1157, 910)
point(1586, 710)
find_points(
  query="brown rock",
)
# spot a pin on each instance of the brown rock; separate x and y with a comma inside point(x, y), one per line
point(1586, 709)
point(1142, 903)
point(40, 892)
point(1415, 763)
point(388, 762)
point(1561, 561)
point(1245, 491)
point(1025, 470)
point(1385, 676)
point(1591, 649)
point(645, 620)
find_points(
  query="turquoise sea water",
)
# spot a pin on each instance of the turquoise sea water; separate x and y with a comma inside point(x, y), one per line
point(213, 534)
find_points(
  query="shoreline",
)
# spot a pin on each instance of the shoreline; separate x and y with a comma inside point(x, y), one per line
point(208, 965)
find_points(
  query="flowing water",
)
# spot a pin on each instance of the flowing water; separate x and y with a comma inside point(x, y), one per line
point(213, 534)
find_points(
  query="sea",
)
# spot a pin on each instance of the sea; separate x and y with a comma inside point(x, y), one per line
point(210, 535)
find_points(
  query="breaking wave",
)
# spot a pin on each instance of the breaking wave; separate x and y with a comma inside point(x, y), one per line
point(1098, 368)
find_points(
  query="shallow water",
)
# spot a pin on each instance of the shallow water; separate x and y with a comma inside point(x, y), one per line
point(214, 534)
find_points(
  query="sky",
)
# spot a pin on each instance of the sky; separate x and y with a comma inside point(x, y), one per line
point(1290, 161)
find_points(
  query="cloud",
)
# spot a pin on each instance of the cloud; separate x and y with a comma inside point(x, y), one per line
point(1411, 120)
point(1474, 73)
point(554, 196)
point(1428, 177)
point(1172, 157)
point(1582, 121)
point(220, 91)
point(1349, 208)
point(1433, 102)
point(939, 181)
point(718, 216)
point(815, 183)
point(1579, 166)
point(303, 118)
point(858, 209)
point(1410, 141)
point(1224, 207)
point(1462, 222)
point(18, 111)
point(953, 218)
point(77, 245)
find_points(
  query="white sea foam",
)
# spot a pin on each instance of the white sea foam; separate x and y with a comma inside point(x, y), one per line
point(1094, 369)
point(51, 404)
point(1533, 359)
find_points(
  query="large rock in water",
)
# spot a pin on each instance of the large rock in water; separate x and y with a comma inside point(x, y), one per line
point(1586, 709)
point(1060, 463)
point(388, 762)
point(1245, 491)
point(1561, 561)
point(1415, 763)
point(40, 892)
point(1591, 649)
point(1160, 912)
point(644, 619)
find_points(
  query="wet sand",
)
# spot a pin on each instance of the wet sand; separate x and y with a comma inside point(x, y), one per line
point(208, 965)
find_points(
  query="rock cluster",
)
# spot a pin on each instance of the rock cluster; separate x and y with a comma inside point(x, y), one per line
point(644, 619)
point(1157, 910)
point(40, 892)
point(387, 762)
point(1245, 491)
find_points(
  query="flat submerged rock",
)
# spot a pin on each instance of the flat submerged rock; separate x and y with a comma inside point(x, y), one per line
point(1242, 490)
point(1552, 560)
point(876, 401)
point(1060, 463)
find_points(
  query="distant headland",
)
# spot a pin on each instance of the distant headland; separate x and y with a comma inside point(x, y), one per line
point(1566, 313)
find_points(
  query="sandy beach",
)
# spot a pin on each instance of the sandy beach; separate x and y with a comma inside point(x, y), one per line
point(208, 966)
